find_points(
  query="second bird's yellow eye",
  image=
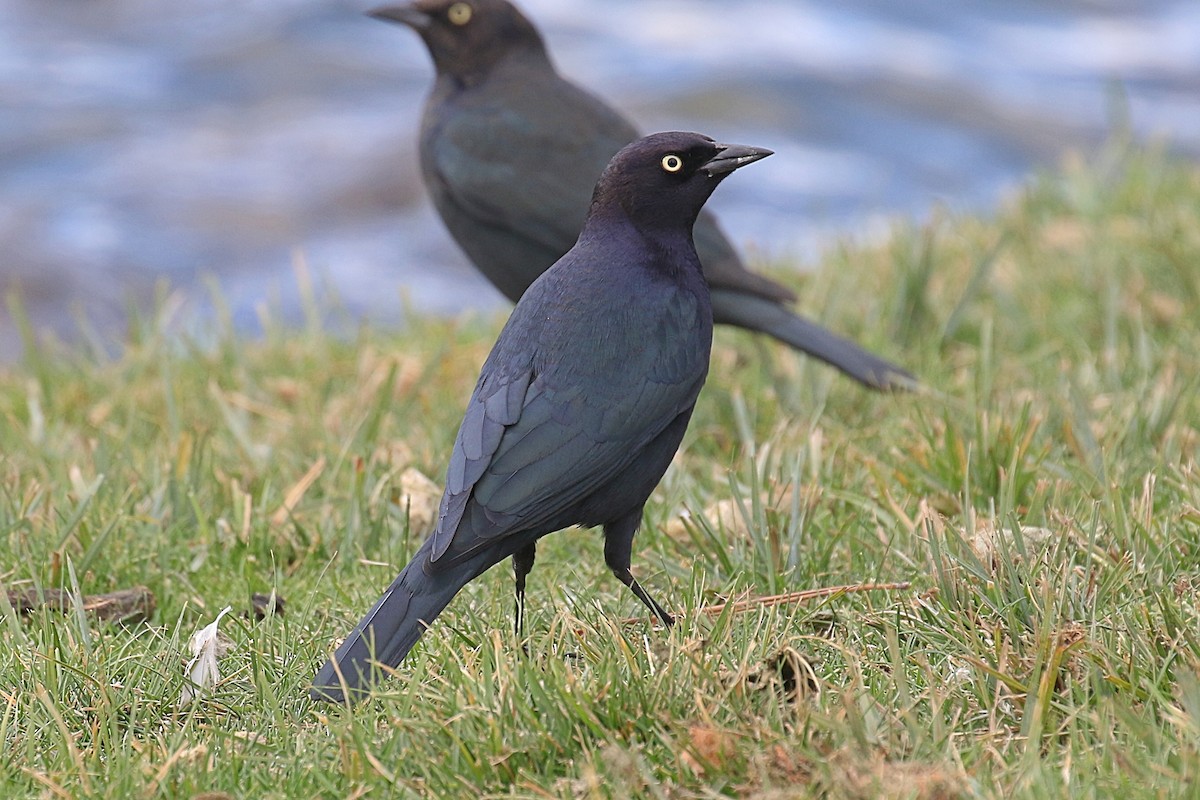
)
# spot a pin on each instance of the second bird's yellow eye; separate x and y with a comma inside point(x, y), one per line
point(672, 163)
point(459, 13)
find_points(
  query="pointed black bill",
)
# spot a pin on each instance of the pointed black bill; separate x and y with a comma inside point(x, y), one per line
point(733, 156)
point(408, 15)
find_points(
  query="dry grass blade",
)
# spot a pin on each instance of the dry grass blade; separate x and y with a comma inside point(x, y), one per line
point(296, 493)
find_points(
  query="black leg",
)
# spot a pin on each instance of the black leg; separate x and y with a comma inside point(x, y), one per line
point(618, 549)
point(522, 564)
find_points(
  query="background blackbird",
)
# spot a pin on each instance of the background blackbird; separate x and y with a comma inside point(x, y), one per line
point(510, 151)
point(580, 406)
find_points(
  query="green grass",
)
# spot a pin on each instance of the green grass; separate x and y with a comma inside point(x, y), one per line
point(1042, 495)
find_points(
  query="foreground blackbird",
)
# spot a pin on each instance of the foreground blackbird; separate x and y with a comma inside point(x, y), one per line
point(579, 407)
point(509, 153)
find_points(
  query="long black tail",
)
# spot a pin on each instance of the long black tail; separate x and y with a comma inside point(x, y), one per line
point(390, 629)
point(766, 316)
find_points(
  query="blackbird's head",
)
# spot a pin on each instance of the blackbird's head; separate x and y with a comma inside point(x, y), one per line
point(663, 180)
point(466, 38)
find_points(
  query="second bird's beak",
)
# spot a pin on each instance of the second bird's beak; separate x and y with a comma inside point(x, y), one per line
point(731, 157)
point(408, 15)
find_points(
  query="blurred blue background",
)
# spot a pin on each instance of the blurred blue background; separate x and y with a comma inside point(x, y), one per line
point(141, 139)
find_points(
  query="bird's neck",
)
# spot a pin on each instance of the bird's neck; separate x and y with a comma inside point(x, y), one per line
point(487, 64)
point(669, 249)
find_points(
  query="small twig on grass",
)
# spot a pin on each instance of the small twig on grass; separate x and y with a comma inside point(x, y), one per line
point(748, 603)
point(126, 605)
point(803, 596)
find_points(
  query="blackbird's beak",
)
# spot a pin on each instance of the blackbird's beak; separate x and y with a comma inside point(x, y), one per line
point(408, 15)
point(731, 157)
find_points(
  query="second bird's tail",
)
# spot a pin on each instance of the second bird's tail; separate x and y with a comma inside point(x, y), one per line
point(389, 630)
point(769, 317)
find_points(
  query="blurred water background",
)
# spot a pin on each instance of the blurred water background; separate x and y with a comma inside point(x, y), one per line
point(143, 140)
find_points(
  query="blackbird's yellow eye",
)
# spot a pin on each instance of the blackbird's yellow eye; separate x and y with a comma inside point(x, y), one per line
point(672, 163)
point(459, 13)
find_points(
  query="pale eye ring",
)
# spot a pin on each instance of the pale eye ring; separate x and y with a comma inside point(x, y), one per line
point(459, 13)
point(672, 163)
